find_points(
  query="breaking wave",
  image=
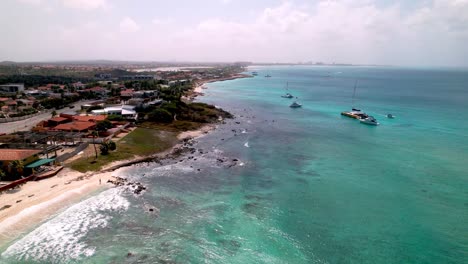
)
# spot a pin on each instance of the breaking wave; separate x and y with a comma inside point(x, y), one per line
point(59, 240)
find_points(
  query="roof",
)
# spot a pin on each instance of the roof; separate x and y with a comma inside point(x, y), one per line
point(58, 119)
point(127, 92)
point(75, 126)
point(94, 118)
point(38, 163)
point(17, 154)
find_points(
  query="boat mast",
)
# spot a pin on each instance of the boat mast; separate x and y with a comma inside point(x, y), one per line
point(354, 93)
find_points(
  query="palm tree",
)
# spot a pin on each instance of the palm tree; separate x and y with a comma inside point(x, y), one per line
point(94, 133)
point(17, 166)
point(2, 174)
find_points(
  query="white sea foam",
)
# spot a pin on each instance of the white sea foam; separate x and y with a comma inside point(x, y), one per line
point(60, 239)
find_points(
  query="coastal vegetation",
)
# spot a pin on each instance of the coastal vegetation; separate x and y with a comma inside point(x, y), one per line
point(140, 142)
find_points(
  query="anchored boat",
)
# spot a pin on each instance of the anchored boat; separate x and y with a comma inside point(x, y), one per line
point(370, 120)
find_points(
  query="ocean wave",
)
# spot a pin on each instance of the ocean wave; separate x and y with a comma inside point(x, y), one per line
point(60, 239)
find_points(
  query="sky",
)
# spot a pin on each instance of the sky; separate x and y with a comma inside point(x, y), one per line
point(385, 32)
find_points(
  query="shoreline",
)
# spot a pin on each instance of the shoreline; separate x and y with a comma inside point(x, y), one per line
point(38, 201)
point(197, 89)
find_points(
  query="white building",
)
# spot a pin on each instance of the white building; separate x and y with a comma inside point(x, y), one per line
point(127, 111)
point(11, 88)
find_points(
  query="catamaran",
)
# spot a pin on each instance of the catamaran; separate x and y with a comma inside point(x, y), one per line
point(287, 95)
point(354, 113)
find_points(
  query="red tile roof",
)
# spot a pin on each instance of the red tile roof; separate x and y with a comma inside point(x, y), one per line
point(75, 126)
point(58, 119)
point(17, 154)
point(127, 92)
point(95, 118)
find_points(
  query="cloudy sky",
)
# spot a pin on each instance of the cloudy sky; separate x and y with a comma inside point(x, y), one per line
point(405, 32)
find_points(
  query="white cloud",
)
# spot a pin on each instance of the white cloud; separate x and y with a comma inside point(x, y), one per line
point(128, 25)
point(85, 4)
point(34, 2)
point(341, 31)
point(354, 31)
point(161, 22)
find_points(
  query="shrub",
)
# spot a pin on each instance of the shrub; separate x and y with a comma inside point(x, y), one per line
point(112, 146)
point(160, 115)
point(104, 148)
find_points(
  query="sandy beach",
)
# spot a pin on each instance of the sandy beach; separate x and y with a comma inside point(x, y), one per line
point(201, 85)
point(37, 201)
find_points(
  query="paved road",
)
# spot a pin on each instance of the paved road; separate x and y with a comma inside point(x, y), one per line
point(27, 124)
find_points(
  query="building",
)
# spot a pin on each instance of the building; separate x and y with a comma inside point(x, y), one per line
point(137, 77)
point(55, 121)
point(127, 111)
point(26, 156)
point(11, 88)
point(76, 126)
point(90, 118)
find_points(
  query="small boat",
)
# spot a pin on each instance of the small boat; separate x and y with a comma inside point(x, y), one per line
point(390, 116)
point(295, 104)
point(267, 76)
point(370, 120)
point(254, 73)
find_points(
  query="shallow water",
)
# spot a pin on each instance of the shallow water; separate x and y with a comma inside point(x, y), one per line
point(282, 185)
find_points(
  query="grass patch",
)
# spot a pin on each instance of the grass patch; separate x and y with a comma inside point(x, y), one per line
point(140, 142)
point(176, 126)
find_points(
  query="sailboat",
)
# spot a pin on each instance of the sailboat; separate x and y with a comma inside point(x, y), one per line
point(287, 95)
point(354, 113)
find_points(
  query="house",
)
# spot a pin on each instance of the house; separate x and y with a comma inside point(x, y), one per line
point(26, 156)
point(90, 118)
point(57, 121)
point(76, 126)
point(78, 85)
point(12, 105)
point(126, 94)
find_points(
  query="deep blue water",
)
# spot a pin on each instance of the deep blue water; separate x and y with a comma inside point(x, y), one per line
point(310, 186)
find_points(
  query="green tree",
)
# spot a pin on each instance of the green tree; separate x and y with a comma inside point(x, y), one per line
point(54, 113)
point(94, 134)
point(16, 166)
point(104, 148)
point(160, 115)
point(103, 125)
point(112, 146)
point(2, 174)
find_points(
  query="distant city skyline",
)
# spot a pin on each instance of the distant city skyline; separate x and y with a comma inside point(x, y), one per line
point(384, 32)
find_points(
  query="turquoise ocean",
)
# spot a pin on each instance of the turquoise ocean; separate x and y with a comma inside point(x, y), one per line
point(283, 185)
